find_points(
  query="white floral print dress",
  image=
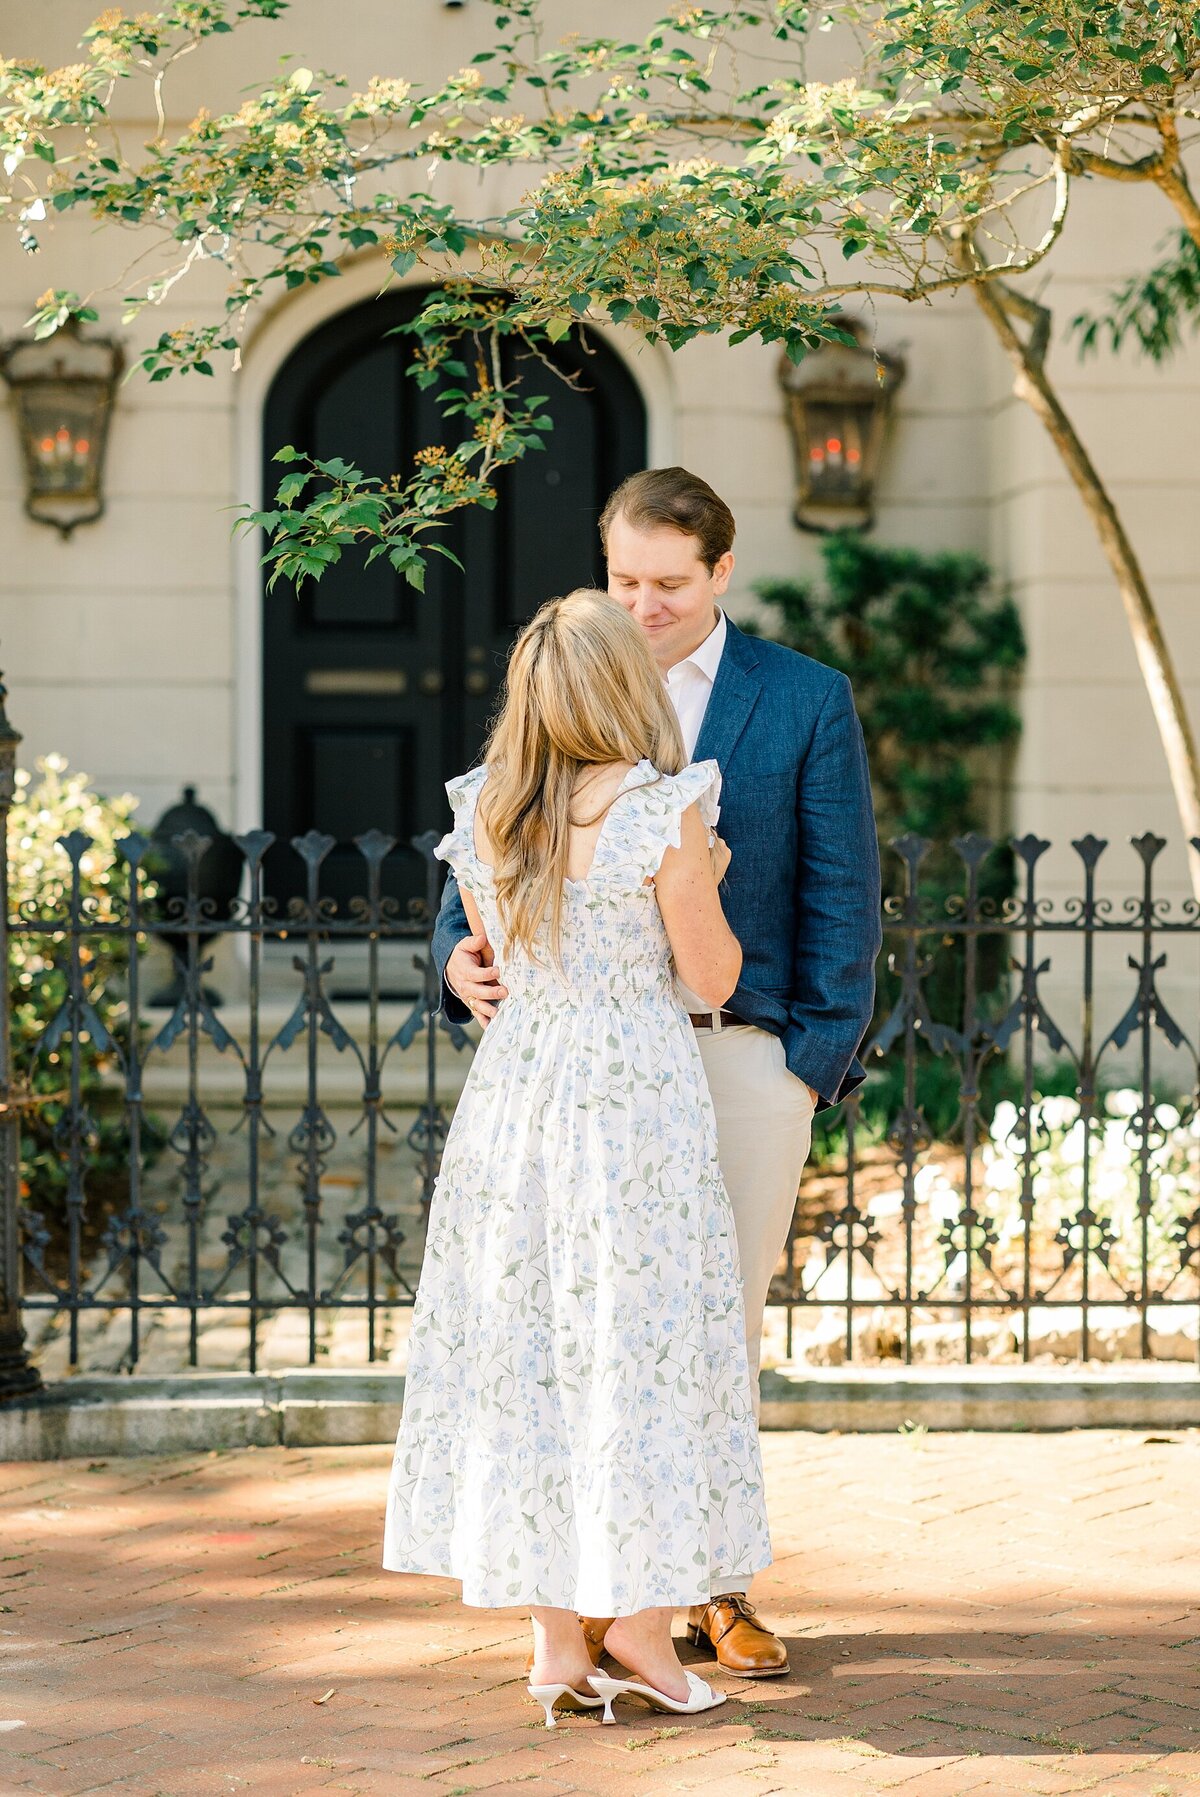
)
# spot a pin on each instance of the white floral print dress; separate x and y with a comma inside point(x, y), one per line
point(577, 1426)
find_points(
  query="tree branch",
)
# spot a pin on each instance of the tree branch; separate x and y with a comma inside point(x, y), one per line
point(997, 301)
point(1173, 180)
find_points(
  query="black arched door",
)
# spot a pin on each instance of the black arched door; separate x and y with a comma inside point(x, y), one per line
point(373, 694)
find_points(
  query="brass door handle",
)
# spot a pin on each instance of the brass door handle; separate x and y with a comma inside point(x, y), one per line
point(476, 682)
point(432, 681)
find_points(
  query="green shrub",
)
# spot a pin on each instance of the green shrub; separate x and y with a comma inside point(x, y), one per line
point(43, 810)
point(931, 650)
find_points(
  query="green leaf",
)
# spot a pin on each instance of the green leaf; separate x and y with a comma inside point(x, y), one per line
point(441, 549)
point(403, 261)
point(360, 514)
point(406, 559)
point(1154, 75)
point(558, 326)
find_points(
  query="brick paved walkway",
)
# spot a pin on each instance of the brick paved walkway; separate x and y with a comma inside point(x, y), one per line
point(985, 1614)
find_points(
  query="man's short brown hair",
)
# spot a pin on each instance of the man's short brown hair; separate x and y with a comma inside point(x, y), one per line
point(678, 499)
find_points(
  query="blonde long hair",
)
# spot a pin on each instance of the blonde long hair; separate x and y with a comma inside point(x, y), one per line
point(582, 691)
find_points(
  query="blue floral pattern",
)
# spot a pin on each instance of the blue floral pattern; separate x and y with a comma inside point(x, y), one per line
point(577, 1427)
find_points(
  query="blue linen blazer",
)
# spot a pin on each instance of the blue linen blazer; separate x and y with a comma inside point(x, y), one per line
point(802, 893)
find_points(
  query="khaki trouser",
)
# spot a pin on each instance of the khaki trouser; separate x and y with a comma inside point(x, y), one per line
point(764, 1128)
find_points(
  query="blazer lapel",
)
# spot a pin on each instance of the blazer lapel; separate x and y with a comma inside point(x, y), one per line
point(733, 697)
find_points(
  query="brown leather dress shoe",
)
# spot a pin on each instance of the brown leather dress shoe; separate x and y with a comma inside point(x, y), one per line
point(743, 1645)
point(594, 1630)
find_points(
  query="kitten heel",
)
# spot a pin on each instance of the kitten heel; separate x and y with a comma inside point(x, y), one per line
point(606, 1689)
point(549, 1695)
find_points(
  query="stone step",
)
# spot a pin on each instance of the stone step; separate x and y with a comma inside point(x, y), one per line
point(306, 1407)
point(220, 1073)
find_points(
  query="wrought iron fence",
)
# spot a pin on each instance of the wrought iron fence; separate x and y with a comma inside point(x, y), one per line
point(990, 1175)
point(1061, 1195)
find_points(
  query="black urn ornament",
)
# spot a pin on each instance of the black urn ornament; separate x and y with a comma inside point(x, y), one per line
point(217, 877)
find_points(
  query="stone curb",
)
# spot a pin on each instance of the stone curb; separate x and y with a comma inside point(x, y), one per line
point(201, 1412)
point(1134, 1395)
point(197, 1412)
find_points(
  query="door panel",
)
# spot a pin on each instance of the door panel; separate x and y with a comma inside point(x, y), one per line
point(375, 695)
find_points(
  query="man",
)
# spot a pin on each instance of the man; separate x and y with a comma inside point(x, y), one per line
point(801, 895)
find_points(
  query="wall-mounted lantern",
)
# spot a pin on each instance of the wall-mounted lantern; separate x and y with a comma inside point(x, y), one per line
point(838, 402)
point(63, 388)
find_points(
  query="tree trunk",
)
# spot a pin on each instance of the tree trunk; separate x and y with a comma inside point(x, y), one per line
point(1166, 697)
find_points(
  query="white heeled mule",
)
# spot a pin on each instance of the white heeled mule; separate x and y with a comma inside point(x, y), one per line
point(549, 1695)
point(700, 1696)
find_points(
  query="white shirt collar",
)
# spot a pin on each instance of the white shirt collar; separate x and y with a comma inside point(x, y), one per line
point(707, 658)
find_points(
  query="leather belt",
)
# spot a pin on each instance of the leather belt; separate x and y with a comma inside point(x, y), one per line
point(726, 1020)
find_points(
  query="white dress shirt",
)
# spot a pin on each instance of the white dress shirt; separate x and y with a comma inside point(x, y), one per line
point(690, 683)
point(689, 688)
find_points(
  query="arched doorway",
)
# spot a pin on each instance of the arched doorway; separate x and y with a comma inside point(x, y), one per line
point(373, 694)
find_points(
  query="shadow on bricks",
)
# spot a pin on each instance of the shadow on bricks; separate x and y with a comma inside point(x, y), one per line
point(964, 1613)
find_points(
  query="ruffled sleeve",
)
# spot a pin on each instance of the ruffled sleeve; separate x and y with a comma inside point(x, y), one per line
point(458, 845)
point(654, 810)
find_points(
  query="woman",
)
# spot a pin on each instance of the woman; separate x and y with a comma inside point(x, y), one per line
point(578, 1432)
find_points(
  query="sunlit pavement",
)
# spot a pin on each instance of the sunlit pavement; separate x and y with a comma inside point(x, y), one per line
point(964, 1613)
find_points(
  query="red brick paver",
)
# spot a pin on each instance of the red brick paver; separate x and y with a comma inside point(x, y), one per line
point(1003, 1614)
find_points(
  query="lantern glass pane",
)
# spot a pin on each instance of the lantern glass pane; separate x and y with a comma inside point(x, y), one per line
point(837, 439)
point(64, 427)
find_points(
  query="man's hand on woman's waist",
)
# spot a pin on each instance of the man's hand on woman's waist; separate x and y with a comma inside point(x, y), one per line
point(472, 977)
